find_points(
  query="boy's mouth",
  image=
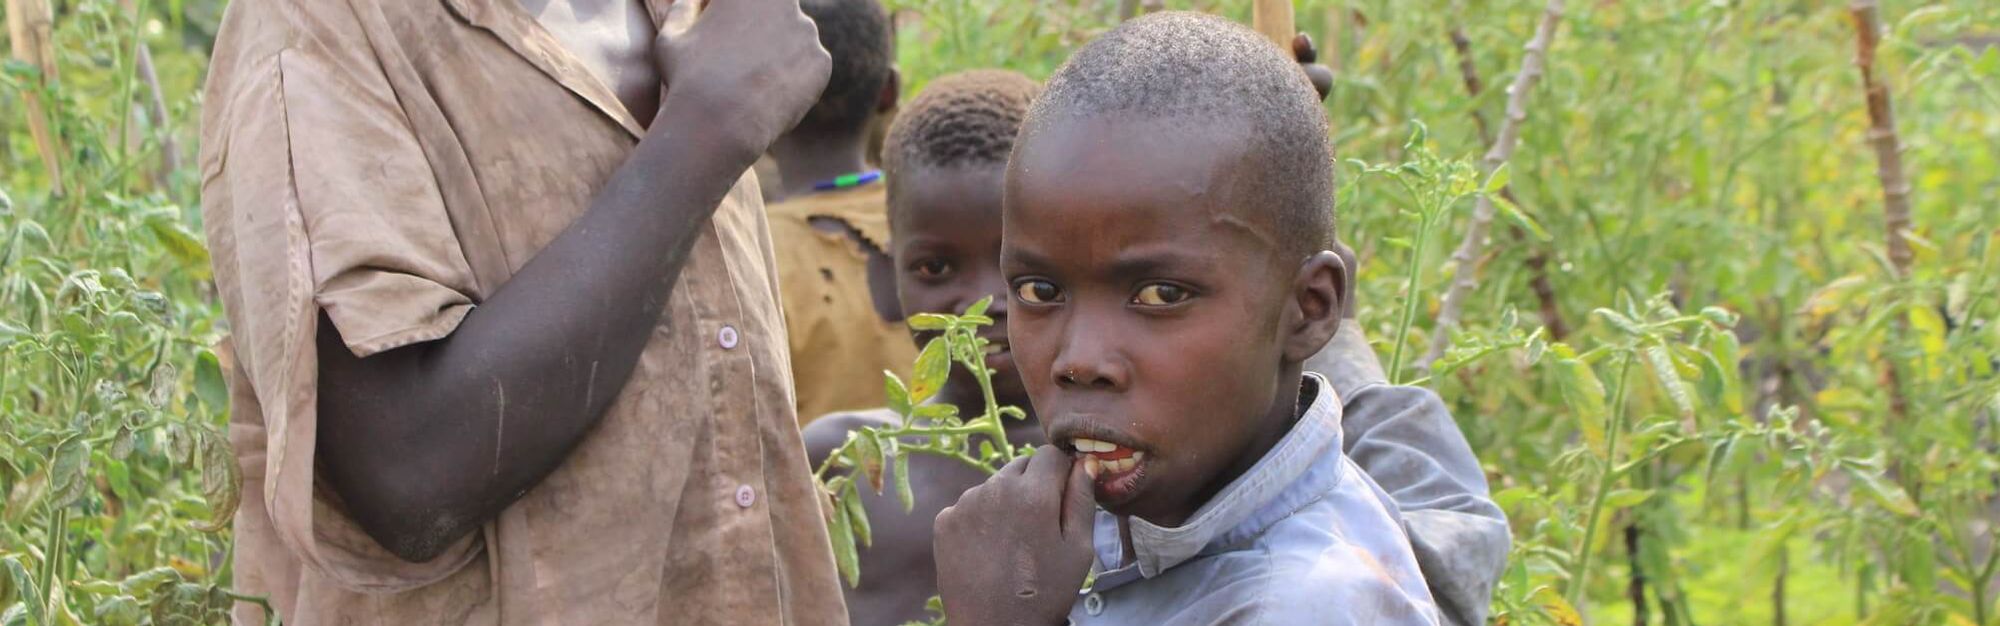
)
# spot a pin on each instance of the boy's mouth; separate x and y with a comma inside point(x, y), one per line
point(999, 355)
point(1117, 470)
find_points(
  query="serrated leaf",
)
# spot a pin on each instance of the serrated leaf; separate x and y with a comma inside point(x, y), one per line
point(928, 375)
point(857, 517)
point(210, 385)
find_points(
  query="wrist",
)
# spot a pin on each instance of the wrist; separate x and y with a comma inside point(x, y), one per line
point(691, 120)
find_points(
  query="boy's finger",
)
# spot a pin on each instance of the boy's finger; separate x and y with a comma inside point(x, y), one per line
point(680, 16)
point(1079, 503)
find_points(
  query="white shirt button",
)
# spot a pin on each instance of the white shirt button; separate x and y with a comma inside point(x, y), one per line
point(727, 337)
point(1093, 604)
point(745, 496)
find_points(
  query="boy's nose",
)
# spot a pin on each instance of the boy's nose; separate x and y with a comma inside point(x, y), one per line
point(1090, 360)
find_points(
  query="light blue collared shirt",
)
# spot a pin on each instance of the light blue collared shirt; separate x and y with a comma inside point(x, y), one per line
point(1303, 537)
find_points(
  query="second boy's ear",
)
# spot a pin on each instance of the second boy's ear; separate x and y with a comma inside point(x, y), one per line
point(1318, 299)
point(892, 90)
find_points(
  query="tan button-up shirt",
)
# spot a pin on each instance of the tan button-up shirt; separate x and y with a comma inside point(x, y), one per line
point(393, 162)
point(840, 344)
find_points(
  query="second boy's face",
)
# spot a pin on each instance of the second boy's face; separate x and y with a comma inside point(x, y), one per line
point(1147, 315)
point(947, 252)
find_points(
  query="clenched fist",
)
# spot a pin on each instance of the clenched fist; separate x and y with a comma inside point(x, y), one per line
point(1015, 549)
point(754, 67)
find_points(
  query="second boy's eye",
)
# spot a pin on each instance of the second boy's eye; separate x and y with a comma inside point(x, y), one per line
point(1037, 291)
point(932, 268)
point(1161, 294)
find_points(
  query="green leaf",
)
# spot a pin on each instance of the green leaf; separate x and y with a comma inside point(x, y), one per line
point(933, 366)
point(1626, 498)
point(1498, 180)
point(181, 244)
point(1886, 494)
point(10, 333)
point(221, 482)
point(899, 395)
point(1662, 364)
point(118, 611)
point(841, 531)
point(25, 588)
point(1584, 394)
point(857, 516)
point(937, 412)
point(210, 385)
point(903, 492)
point(1520, 218)
point(68, 469)
point(867, 456)
point(929, 321)
point(979, 308)
point(24, 497)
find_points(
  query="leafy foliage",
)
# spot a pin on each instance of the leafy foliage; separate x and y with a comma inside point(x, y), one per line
point(1699, 387)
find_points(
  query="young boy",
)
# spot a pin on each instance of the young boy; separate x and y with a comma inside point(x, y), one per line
point(1167, 218)
point(946, 155)
point(830, 231)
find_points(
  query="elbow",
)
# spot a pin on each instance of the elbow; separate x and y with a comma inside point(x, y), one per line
point(414, 529)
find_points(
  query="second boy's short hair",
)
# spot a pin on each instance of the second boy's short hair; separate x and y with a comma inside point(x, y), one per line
point(856, 35)
point(1200, 67)
point(967, 118)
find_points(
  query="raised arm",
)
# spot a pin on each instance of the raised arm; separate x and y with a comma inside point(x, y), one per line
point(426, 442)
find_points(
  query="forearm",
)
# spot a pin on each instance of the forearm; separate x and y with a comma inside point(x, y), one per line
point(427, 442)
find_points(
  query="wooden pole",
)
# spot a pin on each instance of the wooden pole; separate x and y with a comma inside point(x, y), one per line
point(1273, 19)
point(30, 25)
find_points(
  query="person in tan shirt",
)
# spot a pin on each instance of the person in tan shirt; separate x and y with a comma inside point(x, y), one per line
point(504, 316)
point(831, 227)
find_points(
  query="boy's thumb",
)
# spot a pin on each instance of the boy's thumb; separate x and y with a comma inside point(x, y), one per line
point(1079, 503)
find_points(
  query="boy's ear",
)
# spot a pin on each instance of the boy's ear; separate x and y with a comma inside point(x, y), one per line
point(892, 89)
point(1317, 302)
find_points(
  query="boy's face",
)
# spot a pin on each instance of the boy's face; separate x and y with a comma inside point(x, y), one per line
point(947, 253)
point(1152, 315)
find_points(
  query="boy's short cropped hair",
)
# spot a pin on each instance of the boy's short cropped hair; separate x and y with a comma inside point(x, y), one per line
point(857, 36)
point(967, 118)
point(1200, 67)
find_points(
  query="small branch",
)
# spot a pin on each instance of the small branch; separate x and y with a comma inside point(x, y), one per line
point(1470, 249)
point(30, 25)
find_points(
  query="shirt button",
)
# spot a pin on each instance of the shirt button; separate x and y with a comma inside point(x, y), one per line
point(727, 337)
point(1093, 604)
point(745, 496)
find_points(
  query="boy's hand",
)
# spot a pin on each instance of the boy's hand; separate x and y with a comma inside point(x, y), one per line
point(752, 66)
point(1308, 56)
point(1015, 550)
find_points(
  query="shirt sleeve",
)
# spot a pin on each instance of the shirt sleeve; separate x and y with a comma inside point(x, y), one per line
point(318, 197)
point(1404, 438)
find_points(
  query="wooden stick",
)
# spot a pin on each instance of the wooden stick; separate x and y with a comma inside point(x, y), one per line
point(30, 24)
point(1470, 249)
point(1273, 18)
point(157, 105)
point(1882, 136)
point(1538, 260)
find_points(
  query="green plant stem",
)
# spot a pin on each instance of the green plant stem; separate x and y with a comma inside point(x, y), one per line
point(129, 86)
point(1410, 296)
point(1617, 418)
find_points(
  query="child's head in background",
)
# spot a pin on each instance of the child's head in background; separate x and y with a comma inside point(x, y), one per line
point(946, 162)
point(1168, 215)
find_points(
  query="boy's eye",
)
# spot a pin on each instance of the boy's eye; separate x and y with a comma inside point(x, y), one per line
point(1037, 291)
point(1161, 294)
point(933, 268)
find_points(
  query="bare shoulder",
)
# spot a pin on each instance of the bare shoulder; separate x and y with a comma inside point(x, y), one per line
point(825, 434)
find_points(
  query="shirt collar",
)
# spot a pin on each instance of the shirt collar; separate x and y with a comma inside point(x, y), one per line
point(1295, 473)
point(527, 38)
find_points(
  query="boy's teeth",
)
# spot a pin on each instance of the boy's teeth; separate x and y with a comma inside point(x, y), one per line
point(1092, 466)
point(1092, 445)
